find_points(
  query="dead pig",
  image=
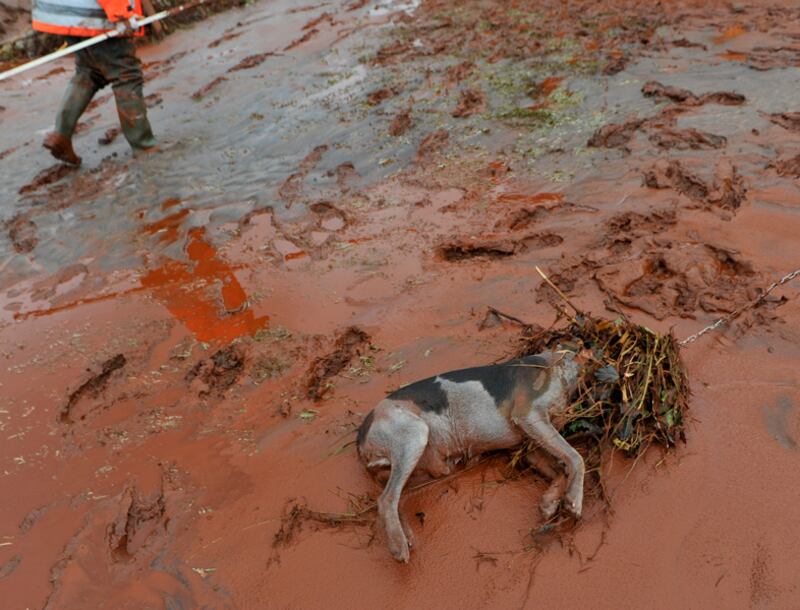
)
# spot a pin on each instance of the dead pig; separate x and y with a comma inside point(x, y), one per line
point(432, 425)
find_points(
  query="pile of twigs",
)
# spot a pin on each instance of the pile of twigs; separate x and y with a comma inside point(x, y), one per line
point(634, 392)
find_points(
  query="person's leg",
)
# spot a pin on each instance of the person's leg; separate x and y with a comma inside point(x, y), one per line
point(80, 90)
point(124, 72)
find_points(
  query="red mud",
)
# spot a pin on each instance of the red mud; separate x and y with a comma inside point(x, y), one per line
point(178, 434)
point(379, 95)
point(684, 96)
point(472, 101)
point(204, 91)
point(401, 123)
point(787, 120)
point(22, 233)
point(109, 136)
point(48, 176)
point(251, 61)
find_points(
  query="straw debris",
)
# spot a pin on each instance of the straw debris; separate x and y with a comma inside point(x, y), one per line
point(634, 391)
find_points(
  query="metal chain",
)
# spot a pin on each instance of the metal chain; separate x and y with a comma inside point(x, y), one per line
point(736, 313)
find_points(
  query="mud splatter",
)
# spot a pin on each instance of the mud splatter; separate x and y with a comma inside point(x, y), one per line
point(467, 248)
point(433, 144)
point(204, 91)
point(770, 58)
point(789, 168)
point(93, 386)
point(685, 43)
point(615, 64)
point(154, 99)
point(401, 123)
point(232, 35)
point(787, 120)
point(251, 61)
point(658, 91)
point(727, 190)
point(760, 580)
point(219, 372)
point(471, 102)
point(318, 20)
point(346, 176)
point(378, 96)
point(677, 283)
point(22, 233)
point(109, 136)
point(672, 174)
point(687, 139)
point(51, 175)
point(303, 39)
point(347, 345)
point(454, 75)
point(53, 72)
point(615, 135)
point(623, 229)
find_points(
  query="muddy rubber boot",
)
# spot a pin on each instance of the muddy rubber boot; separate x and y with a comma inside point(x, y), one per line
point(133, 118)
point(80, 91)
point(61, 148)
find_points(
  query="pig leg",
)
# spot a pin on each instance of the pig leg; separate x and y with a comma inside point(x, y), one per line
point(551, 499)
point(535, 422)
point(408, 437)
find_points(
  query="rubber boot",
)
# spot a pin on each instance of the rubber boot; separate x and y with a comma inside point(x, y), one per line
point(133, 116)
point(80, 91)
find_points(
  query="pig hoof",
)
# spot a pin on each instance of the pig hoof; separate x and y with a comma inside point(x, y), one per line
point(399, 550)
point(573, 505)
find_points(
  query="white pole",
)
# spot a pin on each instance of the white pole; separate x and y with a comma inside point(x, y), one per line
point(91, 41)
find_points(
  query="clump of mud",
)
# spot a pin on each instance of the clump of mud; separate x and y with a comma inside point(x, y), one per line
point(467, 248)
point(622, 229)
point(216, 374)
point(658, 91)
point(93, 386)
point(303, 39)
point(347, 345)
point(472, 101)
point(401, 123)
point(615, 135)
point(433, 144)
point(47, 176)
point(22, 233)
point(378, 96)
point(768, 58)
point(789, 168)
point(680, 281)
point(787, 120)
point(109, 136)
point(727, 190)
point(251, 61)
point(687, 139)
point(138, 517)
point(205, 90)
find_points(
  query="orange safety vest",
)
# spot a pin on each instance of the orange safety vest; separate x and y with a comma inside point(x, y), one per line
point(83, 18)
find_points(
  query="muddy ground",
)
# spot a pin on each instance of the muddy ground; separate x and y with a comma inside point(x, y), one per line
point(190, 338)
